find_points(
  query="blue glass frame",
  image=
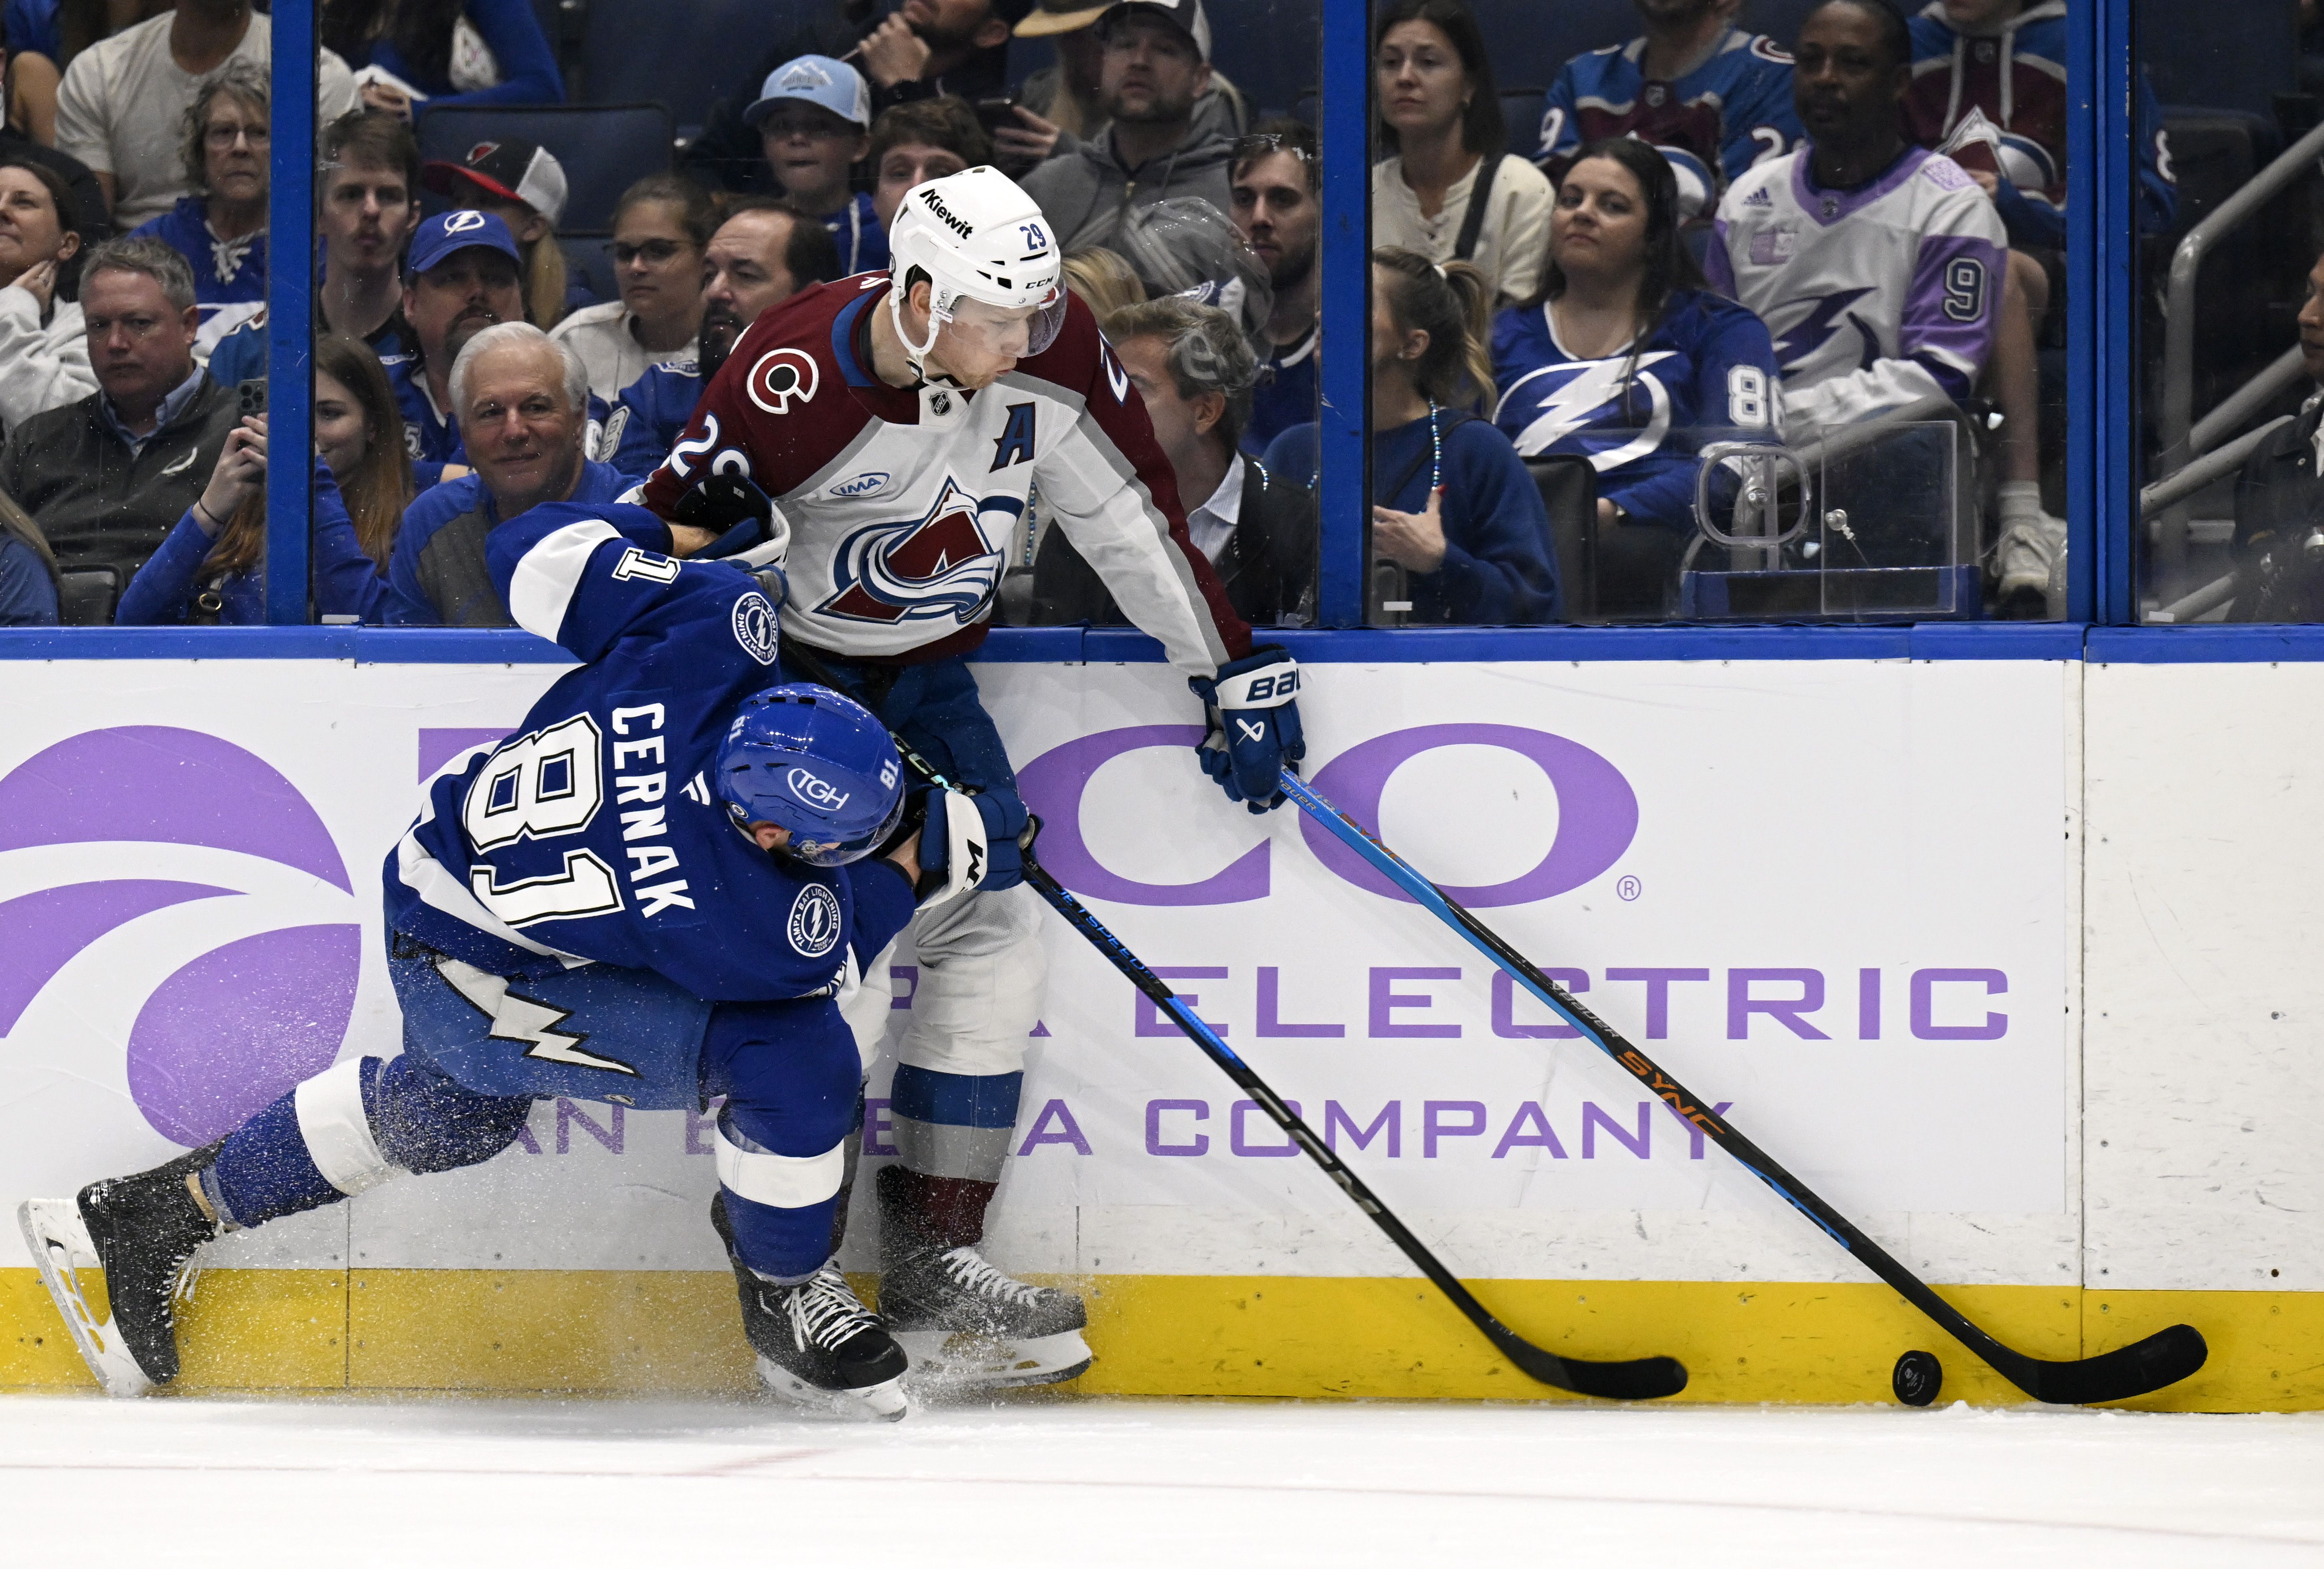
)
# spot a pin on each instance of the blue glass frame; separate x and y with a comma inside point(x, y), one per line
point(2101, 462)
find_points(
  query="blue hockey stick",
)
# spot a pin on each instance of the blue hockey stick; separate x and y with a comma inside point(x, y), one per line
point(2162, 1358)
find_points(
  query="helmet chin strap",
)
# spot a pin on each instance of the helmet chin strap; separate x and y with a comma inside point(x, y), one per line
point(914, 353)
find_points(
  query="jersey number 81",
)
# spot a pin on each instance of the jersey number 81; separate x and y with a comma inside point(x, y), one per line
point(541, 785)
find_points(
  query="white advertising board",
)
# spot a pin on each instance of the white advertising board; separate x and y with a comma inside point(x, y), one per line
point(1835, 898)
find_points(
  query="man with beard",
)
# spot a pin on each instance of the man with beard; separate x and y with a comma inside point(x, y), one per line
point(1710, 97)
point(760, 257)
point(1277, 174)
point(1158, 63)
point(921, 49)
point(463, 279)
point(524, 398)
point(367, 197)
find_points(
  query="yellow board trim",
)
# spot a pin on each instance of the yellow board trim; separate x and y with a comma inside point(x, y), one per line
point(1309, 1338)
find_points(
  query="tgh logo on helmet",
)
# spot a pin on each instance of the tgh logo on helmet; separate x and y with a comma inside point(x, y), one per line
point(814, 791)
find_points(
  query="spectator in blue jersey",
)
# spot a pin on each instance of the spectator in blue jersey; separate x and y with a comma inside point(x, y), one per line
point(760, 257)
point(28, 571)
point(210, 571)
point(1711, 97)
point(814, 119)
point(460, 53)
point(221, 228)
point(524, 398)
point(523, 185)
point(661, 226)
point(1626, 358)
point(1274, 180)
point(1454, 514)
point(463, 279)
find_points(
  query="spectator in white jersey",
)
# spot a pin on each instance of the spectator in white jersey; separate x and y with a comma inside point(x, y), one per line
point(1447, 189)
point(813, 118)
point(662, 226)
point(121, 106)
point(1156, 67)
point(43, 347)
point(1876, 264)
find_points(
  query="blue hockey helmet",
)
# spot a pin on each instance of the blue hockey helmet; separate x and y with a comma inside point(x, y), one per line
point(817, 762)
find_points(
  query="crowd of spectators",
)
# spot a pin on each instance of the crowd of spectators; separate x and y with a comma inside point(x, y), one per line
point(1716, 234)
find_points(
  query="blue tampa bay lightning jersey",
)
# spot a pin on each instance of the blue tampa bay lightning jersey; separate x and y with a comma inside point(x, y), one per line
point(594, 834)
point(651, 416)
point(1729, 113)
point(1707, 374)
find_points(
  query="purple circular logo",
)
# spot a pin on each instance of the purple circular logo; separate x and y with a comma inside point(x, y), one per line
point(234, 1027)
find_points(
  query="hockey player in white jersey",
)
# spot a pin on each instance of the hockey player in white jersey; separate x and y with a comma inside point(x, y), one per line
point(899, 422)
point(1876, 265)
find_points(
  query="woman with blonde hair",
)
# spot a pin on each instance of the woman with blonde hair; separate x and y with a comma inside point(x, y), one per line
point(1103, 281)
point(211, 569)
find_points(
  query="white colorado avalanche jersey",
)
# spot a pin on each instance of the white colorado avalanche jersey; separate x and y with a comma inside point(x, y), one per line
point(1877, 297)
point(903, 502)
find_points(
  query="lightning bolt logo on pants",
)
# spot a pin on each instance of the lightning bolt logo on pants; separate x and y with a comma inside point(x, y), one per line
point(524, 1018)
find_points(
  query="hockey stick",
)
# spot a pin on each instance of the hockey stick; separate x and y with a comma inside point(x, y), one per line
point(1645, 1379)
point(2162, 1358)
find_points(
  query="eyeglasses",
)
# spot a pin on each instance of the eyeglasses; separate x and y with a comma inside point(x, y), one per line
point(653, 253)
point(221, 137)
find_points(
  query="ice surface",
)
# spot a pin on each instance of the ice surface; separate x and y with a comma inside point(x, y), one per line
point(400, 1483)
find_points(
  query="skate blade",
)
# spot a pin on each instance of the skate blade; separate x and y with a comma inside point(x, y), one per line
point(960, 1361)
point(885, 1402)
point(61, 1248)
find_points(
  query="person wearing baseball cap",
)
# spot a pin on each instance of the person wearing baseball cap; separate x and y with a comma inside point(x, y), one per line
point(461, 278)
point(1155, 67)
point(1061, 106)
point(522, 184)
point(814, 119)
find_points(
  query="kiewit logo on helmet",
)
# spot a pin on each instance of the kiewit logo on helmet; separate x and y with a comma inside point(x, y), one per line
point(944, 215)
point(814, 791)
point(460, 223)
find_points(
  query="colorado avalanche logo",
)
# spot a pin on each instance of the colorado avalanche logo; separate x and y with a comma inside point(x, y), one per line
point(938, 567)
point(782, 377)
point(103, 837)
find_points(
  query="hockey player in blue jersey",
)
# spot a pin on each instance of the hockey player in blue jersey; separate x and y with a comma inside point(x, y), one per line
point(1713, 99)
point(1626, 358)
point(661, 890)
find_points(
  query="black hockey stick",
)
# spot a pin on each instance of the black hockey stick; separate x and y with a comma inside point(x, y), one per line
point(2162, 1358)
point(1646, 1378)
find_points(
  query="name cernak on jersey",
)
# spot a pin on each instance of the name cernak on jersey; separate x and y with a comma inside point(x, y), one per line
point(548, 784)
point(938, 567)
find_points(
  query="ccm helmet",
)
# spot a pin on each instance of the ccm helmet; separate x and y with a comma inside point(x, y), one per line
point(977, 235)
point(817, 764)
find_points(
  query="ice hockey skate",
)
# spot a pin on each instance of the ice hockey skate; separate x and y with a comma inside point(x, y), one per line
point(818, 1346)
point(142, 1232)
point(967, 1324)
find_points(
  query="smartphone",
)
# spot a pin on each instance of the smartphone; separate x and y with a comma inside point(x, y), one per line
point(250, 396)
point(992, 114)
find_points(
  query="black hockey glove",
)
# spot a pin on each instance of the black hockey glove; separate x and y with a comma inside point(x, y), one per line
point(748, 526)
point(1254, 726)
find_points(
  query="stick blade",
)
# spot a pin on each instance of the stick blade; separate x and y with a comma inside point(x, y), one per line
point(2160, 1359)
point(1646, 1378)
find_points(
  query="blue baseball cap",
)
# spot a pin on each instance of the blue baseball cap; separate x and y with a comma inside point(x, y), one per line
point(437, 237)
point(819, 79)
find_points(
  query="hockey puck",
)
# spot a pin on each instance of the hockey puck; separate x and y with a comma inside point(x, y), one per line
point(1917, 1379)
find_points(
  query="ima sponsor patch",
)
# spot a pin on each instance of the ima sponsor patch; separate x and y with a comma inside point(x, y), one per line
point(814, 922)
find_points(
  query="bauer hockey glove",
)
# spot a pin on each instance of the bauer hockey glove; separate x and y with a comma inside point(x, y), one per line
point(969, 843)
point(1253, 710)
point(751, 530)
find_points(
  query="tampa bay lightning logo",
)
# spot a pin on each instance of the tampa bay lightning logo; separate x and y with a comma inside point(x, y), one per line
point(937, 566)
point(166, 889)
point(754, 627)
point(815, 921)
point(1620, 414)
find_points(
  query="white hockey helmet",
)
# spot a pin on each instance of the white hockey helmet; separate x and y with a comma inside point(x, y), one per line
point(977, 235)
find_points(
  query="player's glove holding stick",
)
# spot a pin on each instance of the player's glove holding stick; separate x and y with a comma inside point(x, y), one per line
point(746, 528)
point(1253, 712)
point(967, 843)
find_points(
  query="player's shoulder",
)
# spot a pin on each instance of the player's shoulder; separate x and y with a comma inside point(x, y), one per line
point(1077, 355)
point(1938, 174)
